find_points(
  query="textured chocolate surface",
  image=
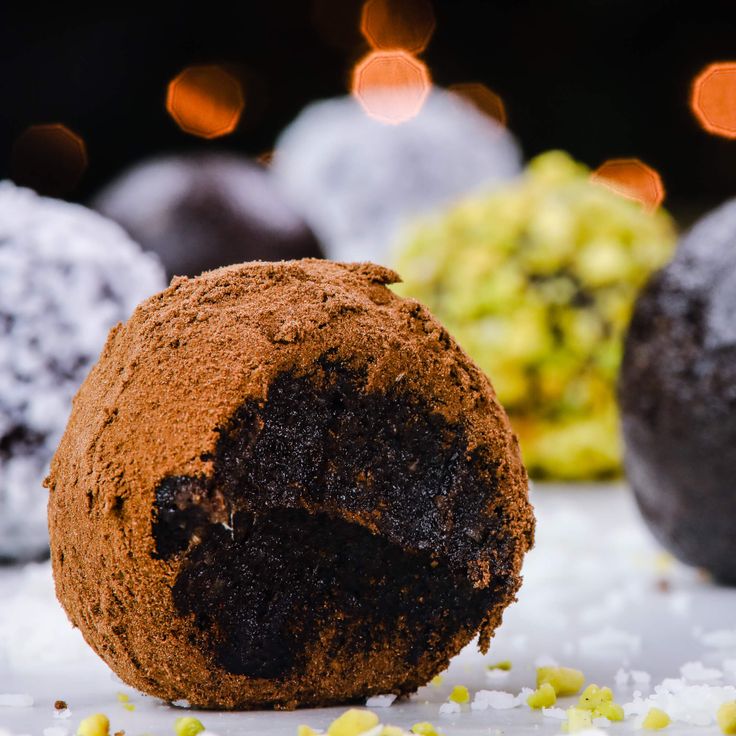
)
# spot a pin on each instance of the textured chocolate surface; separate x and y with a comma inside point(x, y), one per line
point(266, 575)
point(678, 397)
point(284, 485)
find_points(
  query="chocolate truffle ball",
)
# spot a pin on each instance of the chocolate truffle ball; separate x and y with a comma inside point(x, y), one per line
point(678, 398)
point(357, 180)
point(284, 485)
point(203, 211)
point(66, 276)
point(537, 281)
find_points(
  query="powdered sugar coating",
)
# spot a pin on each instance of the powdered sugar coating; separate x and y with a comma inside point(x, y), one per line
point(356, 180)
point(66, 276)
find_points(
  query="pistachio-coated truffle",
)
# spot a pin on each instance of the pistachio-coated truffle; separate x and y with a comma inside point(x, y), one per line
point(537, 281)
point(284, 485)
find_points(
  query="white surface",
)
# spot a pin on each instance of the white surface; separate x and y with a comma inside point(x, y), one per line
point(598, 595)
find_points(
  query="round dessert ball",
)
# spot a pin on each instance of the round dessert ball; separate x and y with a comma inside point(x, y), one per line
point(356, 180)
point(282, 485)
point(66, 276)
point(202, 211)
point(537, 281)
point(678, 398)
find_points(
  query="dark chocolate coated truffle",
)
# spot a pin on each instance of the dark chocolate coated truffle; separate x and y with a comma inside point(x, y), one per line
point(284, 485)
point(203, 211)
point(677, 391)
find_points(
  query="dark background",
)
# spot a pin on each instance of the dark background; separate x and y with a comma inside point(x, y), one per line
point(599, 78)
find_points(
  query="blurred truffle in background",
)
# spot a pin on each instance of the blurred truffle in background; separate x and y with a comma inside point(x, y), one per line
point(537, 281)
point(202, 211)
point(678, 398)
point(357, 178)
point(67, 276)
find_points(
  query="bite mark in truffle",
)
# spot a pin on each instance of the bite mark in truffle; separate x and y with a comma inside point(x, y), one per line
point(266, 575)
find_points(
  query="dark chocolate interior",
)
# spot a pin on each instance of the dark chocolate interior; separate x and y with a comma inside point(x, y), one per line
point(271, 555)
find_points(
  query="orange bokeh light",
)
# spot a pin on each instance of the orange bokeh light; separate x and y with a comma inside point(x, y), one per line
point(633, 179)
point(49, 158)
point(206, 101)
point(485, 99)
point(713, 98)
point(391, 85)
point(398, 24)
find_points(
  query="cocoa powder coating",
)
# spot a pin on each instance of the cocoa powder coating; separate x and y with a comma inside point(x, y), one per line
point(284, 485)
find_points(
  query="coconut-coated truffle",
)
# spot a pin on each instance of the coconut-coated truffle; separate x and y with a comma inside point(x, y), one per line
point(678, 397)
point(357, 180)
point(537, 281)
point(284, 485)
point(205, 210)
point(66, 276)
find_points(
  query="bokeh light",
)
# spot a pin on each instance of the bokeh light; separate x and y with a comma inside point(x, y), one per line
point(391, 85)
point(48, 158)
point(398, 24)
point(485, 99)
point(206, 101)
point(633, 179)
point(713, 98)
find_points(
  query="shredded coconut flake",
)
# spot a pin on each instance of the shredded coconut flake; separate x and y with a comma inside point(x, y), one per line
point(448, 709)
point(559, 714)
point(380, 701)
point(640, 677)
point(496, 699)
point(695, 705)
point(698, 672)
